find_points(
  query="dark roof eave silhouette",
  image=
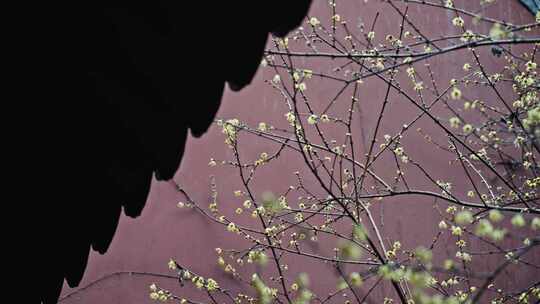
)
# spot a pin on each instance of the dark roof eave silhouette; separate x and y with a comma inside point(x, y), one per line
point(110, 90)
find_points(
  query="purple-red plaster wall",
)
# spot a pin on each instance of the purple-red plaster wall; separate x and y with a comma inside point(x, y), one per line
point(146, 244)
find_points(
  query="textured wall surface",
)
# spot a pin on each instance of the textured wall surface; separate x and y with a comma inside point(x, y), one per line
point(145, 244)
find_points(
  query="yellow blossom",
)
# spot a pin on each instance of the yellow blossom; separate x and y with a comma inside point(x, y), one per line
point(535, 223)
point(518, 220)
point(211, 284)
point(456, 230)
point(467, 36)
point(172, 264)
point(458, 21)
point(443, 225)
point(455, 122)
point(464, 217)
point(455, 94)
point(495, 215)
point(290, 117)
point(530, 66)
point(231, 227)
point(312, 119)
point(154, 296)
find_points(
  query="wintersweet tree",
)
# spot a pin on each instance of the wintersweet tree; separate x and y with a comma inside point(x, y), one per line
point(426, 112)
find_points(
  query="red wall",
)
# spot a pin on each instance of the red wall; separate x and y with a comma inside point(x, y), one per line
point(163, 231)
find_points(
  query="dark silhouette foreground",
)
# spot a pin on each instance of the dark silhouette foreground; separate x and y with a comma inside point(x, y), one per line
point(109, 92)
